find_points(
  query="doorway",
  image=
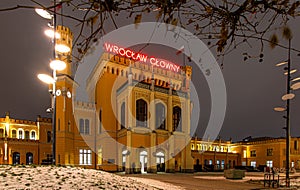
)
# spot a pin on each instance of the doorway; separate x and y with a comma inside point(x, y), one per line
point(29, 158)
point(16, 158)
point(160, 162)
point(143, 161)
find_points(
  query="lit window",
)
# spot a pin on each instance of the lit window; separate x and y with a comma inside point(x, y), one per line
point(100, 156)
point(270, 163)
point(253, 153)
point(32, 135)
point(253, 164)
point(14, 134)
point(85, 157)
point(20, 134)
point(222, 164)
point(192, 147)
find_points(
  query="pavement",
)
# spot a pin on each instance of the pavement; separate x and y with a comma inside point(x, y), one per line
point(207, 181)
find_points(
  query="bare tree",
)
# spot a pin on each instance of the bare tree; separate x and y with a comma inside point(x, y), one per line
point(225, 24)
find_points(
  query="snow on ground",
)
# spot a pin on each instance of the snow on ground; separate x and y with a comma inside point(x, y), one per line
point(50, 177)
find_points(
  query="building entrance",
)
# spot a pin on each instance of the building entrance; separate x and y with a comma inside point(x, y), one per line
point(16, 158)
point(143, 161)
point(160, 162)
point(29, 158)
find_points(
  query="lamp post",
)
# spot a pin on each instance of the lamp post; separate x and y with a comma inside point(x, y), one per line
point(287, 97)
point(56, 65)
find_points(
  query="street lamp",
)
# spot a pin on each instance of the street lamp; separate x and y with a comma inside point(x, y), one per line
point(287, 97)
point(56, 65)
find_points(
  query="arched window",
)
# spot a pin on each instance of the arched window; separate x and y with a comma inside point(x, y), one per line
point(177, 119)
point(81, 126)
point(32, 135)
point(20, 133)
point(141, 113)
point(123, 115)
point(87, 126)
point(16, 158)
point(13, 134)
point(29, 158)
point(160, 116)
point(26, 134)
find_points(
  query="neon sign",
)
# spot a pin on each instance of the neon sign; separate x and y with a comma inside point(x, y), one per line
point(157, 62)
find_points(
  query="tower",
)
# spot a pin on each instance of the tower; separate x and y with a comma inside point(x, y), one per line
point(65, 123)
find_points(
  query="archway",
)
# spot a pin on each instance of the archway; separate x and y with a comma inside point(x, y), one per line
point(29, 158)
point(16, 158)
point(160, 161)
point(143, 161)
point(124, 154)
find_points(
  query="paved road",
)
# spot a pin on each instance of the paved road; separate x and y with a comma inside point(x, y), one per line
point(201, 181)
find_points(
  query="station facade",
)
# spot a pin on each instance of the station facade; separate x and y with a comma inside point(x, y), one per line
point(138, 120)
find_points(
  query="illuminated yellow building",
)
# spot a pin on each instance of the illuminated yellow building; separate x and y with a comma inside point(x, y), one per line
point(138, 120)
point(216, 155)
point(267, 151)
point(24, 141)
point(148, 121)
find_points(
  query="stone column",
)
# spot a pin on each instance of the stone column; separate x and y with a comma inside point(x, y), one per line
point(170, 110)
point(128, 166)
point(151, 156)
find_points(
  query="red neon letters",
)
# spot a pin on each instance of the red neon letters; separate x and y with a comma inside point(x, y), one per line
point(141, 57)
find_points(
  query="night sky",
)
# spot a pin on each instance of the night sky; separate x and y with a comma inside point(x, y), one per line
point(253, 88)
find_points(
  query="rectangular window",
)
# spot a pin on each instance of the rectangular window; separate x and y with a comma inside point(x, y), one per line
point(100, 156)
point(270, 152)
point(87, 127)
point(270, 163)
point(243, 163)
point(295, 145)
point(245, 153)
point(32, 135)
point(100, 122)
point(85, 157)
point(14, 134)
point(81, 126)
point(20, 134)
point(253, 164)
point(84, 126)
point(49, 136)
point(253, 153)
